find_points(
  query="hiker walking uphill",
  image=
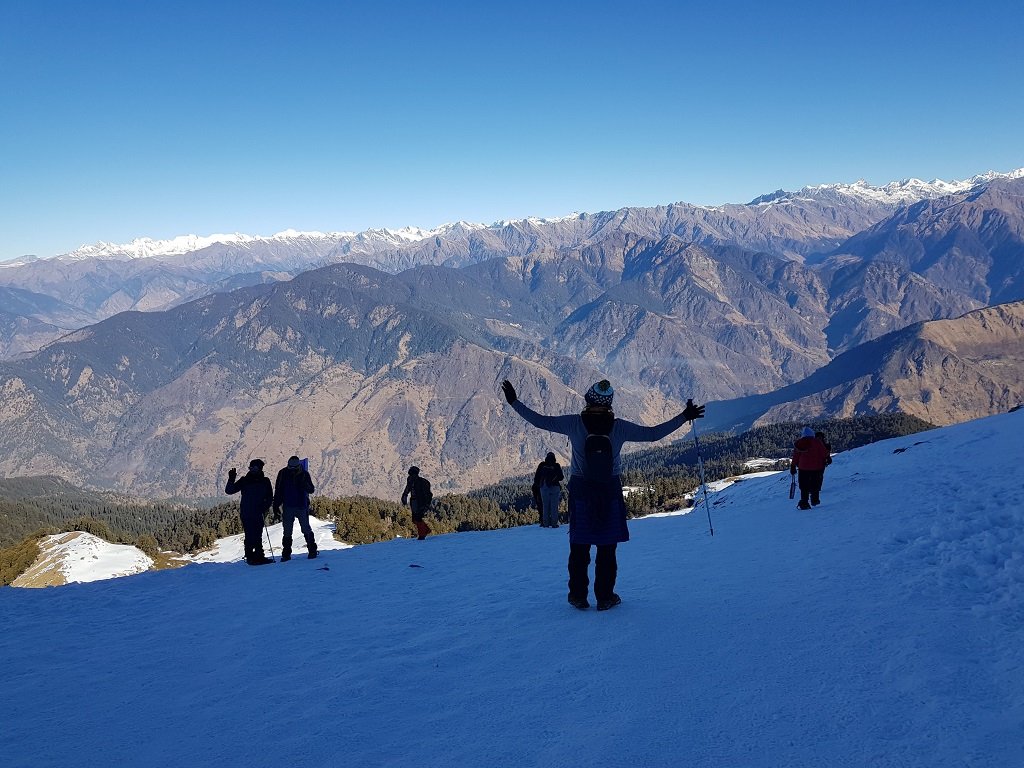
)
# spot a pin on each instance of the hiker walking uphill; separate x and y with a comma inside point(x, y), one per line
point(597, 510)
point(418, 495)
point(291, 491)
point(810, 457)
point(257, 496)
point(547, 488)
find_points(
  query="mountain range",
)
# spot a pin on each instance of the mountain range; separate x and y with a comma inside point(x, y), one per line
point(793, 306)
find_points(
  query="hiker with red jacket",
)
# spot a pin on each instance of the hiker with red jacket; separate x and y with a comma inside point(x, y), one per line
point(597, 510)
point(810, 457)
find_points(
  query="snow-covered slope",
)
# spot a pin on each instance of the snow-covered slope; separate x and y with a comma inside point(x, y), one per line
point(883, 628)
point(67, 558)
point(231, 548)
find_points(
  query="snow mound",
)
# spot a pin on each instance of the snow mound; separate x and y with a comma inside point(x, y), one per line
point(67, 558)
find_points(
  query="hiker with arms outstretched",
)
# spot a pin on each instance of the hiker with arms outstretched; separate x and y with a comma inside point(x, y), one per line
point(597, 510)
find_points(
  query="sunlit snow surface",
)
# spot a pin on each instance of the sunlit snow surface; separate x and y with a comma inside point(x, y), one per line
point(78, 556)
point(883, 628)
point(232, 548)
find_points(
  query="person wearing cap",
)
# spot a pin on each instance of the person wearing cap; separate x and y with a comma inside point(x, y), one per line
point(418, 496)
point(291, 491)
point(810, 457)
point(597, 510)
point(257, 496)
point(547, 489)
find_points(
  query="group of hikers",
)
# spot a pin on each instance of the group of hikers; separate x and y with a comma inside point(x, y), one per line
point(597, 510)
point(289, 497)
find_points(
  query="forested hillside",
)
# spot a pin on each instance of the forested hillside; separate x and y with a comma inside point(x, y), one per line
point(661, 479)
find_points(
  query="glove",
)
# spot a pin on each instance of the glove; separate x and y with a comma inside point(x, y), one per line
point(232, 473)
point(509, 390)
point(691, 411)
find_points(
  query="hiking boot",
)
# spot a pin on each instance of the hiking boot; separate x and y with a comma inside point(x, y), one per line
point(803, 505)
point(286, 556)
point(611, 602)
point(312, 551)
point(815, 502)
point(578, 602)
point(259, 560)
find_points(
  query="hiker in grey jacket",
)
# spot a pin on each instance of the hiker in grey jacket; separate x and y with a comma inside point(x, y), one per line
point(597, 510)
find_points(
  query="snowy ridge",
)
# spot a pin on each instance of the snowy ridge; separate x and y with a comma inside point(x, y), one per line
point(880, 629)
point(907, 190)
point(894, 193)
point(68, 558)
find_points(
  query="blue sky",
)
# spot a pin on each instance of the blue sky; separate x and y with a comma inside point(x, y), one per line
point(129, 119)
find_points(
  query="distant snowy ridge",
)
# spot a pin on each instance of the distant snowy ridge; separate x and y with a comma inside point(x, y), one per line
point(147, 248)
point(894, 193)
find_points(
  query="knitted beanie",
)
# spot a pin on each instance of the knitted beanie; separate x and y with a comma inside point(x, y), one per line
point(600, 394)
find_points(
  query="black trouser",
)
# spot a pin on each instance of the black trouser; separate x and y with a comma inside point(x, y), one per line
point(252, 524)
point(605, 569)
point(810, 484)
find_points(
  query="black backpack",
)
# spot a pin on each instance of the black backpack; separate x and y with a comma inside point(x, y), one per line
point(549, 475)
point(598, 450)
point(424, 496)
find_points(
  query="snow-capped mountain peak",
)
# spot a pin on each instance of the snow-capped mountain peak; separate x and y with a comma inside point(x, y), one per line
point(902, 192)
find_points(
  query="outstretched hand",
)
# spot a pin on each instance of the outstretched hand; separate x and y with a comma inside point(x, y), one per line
point(509, 390)
point(691, 411)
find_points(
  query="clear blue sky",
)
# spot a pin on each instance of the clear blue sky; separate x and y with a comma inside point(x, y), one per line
point(128, 119)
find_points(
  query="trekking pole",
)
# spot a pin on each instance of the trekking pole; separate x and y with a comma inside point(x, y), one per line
point(700, 467)
point(269, 542)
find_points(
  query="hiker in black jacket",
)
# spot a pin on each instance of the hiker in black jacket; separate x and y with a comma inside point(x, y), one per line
point(291, 491)
point(257, 496)
point(417, 495)
point(547, 485)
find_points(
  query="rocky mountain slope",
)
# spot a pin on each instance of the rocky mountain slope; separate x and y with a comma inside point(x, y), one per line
point(99, 281)
point(944, 371)
point(366, 371)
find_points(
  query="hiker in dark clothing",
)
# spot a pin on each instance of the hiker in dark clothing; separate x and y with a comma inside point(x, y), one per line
point(547, 485)
point(810, 457)
point(418, 496)
point(597, 510)
point(257, 496)
point(291, 491)
point(538, 500)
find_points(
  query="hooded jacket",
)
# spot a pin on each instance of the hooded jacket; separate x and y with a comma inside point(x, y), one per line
point(809, 454)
